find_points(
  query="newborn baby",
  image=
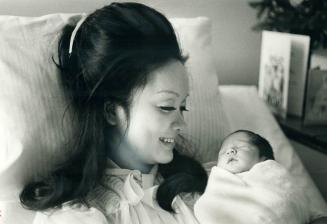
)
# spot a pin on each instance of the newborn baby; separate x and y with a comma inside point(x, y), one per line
point(248, 186)
point(241, 150)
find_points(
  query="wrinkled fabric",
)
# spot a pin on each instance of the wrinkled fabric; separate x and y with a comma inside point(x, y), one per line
point(129, 197)
point(124, 197)
point(71, 215)
point(267, 194)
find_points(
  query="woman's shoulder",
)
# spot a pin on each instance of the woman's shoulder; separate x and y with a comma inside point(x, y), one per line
point(107, 198)
point(68, 214)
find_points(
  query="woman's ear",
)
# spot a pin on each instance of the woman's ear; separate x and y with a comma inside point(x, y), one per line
point(110, 113)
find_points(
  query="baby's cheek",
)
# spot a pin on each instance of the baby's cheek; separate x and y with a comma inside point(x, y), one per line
point(220, 162)
point(220, 158)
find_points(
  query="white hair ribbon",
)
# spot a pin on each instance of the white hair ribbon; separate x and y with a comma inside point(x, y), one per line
point(72, 37)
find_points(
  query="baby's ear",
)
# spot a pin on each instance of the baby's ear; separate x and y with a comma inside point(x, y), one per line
point(262, 158)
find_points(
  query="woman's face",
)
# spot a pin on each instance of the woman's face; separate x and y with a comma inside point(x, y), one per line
point(238, 154)
point(156, 117)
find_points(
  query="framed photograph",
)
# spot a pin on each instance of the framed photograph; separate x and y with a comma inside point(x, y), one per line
point(283, 72)
point(300, 46)
point(316, 98)
point(274, 71)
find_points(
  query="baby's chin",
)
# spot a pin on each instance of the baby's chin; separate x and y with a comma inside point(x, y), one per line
point(232, 168)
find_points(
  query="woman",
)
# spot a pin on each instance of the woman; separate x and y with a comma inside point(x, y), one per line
point(123, 70)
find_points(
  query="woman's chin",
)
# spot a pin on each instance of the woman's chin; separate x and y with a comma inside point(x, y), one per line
point(166, 157)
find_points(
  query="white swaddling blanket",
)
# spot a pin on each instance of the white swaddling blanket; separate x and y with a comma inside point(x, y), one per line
point(265, 194)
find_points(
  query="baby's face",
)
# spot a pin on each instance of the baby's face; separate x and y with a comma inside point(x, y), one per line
point(237, 154)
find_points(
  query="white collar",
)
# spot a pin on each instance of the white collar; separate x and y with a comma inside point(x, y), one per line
point(146, 180)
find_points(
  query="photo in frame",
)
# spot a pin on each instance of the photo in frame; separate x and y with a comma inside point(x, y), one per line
point(316, 98)
point(283, 72)
point(274, 71)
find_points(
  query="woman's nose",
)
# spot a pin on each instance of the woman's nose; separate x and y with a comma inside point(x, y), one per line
point(231, 151)
point(179, 124)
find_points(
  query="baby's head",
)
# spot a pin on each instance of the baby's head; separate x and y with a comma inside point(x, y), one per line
point(242, 149)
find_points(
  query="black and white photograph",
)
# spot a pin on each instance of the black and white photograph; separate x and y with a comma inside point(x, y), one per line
point(163, 112)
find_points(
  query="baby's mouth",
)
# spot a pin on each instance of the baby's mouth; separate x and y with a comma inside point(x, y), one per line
point(231, 160)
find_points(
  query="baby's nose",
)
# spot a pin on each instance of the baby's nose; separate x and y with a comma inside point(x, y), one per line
point(232, 151)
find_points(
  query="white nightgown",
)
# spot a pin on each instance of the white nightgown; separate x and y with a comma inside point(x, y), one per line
point(124, 196)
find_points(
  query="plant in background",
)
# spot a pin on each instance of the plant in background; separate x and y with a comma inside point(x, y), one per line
point(308, 17)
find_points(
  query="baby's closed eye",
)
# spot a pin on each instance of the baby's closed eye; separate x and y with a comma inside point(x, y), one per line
point(245, 148)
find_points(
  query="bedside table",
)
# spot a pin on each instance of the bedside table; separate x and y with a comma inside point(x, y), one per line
point(314, 137)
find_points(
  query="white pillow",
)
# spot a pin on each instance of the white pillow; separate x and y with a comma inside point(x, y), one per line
point(207, 123)
point(10, 150)
point(32, 101)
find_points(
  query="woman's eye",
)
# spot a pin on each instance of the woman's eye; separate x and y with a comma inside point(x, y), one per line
point(166, 109)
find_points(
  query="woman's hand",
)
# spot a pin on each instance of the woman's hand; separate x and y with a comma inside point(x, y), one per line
point(321, 220)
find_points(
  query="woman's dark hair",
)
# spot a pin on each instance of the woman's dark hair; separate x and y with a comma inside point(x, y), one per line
point(265, 149)
point(183, 174)
point(114, 51)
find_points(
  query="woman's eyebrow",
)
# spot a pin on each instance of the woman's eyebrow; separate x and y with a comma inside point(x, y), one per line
point(168, 91)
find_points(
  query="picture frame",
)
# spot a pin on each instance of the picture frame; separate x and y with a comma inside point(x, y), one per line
point(283, 72)
point(316, 98)
point(274, 71)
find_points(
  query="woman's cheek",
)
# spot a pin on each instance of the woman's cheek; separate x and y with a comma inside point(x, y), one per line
point(163, 117)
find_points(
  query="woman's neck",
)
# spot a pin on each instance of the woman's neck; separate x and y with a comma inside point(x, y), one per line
point(127, 162)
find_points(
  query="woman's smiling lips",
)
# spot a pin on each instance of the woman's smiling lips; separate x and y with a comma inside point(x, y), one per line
point(167, 141)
